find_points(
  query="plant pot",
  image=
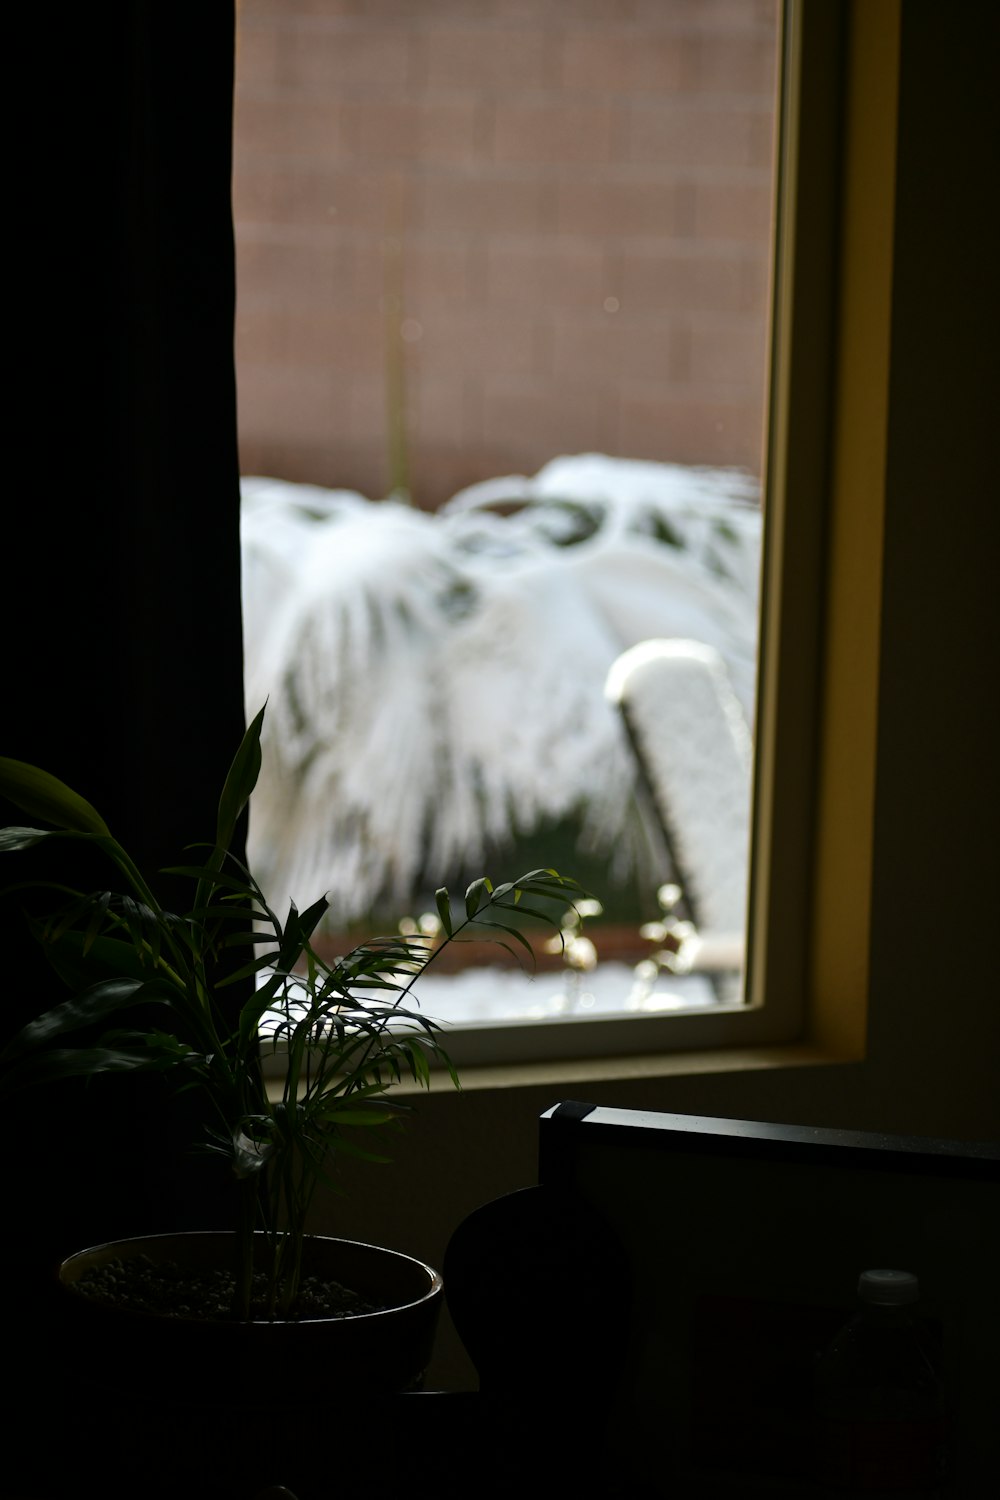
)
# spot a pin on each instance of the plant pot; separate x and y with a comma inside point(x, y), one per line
point(386, 1351)
point(218, 1410)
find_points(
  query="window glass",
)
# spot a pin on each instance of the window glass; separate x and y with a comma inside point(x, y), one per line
point(503, 307)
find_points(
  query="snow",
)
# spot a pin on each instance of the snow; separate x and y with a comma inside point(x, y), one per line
point(481, 999)
point(493, 997)
point(437, 680)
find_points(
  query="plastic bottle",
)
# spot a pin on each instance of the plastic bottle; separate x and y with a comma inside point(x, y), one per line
point(880, 1406)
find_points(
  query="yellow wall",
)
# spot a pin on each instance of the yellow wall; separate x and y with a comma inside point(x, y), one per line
point(928, 848)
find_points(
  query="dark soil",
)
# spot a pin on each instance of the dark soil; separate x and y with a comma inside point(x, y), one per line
point(172, 1291)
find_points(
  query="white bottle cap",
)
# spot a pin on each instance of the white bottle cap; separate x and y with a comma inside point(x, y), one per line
point(888, 1288)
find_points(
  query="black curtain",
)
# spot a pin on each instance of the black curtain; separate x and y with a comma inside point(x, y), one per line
point(122, 629)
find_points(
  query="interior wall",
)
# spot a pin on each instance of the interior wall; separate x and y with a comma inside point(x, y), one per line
point(933, 1040)
point(936, 1032)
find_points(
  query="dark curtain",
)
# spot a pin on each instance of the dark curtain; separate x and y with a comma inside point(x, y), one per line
point(122, 630)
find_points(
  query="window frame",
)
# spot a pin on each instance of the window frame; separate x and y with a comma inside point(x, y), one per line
point(814, 765)
point(806, 971)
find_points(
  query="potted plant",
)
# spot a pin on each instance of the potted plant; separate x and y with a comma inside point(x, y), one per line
point(151, 989)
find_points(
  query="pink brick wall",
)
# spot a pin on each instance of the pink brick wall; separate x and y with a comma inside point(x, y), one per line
point(581, 190)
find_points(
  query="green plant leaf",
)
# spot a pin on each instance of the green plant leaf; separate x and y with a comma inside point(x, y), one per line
point(57, 1063)
point(477, 893)
point(360, 1117)
point(85, 1009)
point(513, 932)
point(240, 782)
point(44, 796)
point(79, 957)
point(443, 902)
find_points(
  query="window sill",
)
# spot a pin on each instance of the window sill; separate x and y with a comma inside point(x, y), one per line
point(572, 1071)
point(505, 1028)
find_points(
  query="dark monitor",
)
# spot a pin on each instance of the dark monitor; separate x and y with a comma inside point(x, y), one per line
point(745, 1242)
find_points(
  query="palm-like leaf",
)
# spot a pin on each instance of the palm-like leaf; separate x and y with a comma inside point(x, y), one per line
point(148, 986)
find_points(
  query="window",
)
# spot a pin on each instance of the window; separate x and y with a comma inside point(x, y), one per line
point(794, 547)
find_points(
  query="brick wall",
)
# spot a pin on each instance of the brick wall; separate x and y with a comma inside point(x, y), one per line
point(552, 216)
